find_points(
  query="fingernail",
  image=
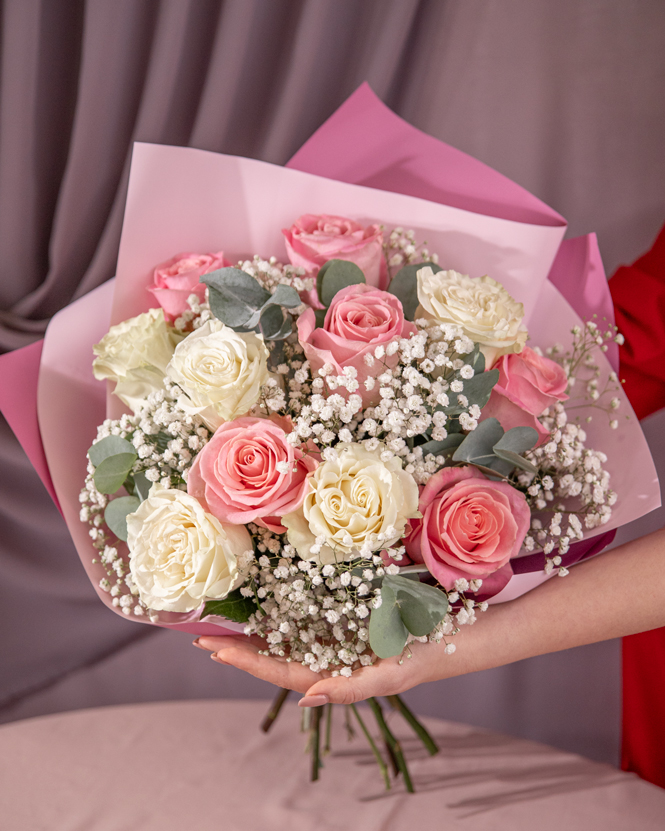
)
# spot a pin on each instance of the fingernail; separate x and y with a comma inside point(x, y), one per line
point(196, 643)
point(218, 659)
point(313, 701)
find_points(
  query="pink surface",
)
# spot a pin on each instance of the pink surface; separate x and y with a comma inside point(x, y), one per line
point(206, 765)
point(19, 373)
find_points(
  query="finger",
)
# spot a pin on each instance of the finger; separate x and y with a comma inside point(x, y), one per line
point(213, 643)
point(384, 678)
point(291, 676)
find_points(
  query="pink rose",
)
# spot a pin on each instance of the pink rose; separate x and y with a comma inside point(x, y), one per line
point(313, 240)
point(177, 278)
point(248, 472)
point(359, 319)
point(471, 526)
point(528, 385)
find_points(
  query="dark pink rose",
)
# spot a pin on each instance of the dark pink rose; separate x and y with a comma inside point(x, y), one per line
point(359, 319)
point(177, 278)
point(313, 240)
point(248, 472)
point(528, 384)
point(471, 526)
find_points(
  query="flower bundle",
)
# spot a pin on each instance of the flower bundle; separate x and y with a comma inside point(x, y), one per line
point(345, 452)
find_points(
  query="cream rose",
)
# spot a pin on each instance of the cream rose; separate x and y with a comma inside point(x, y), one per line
point(482, 307)
point(220, 371)
point(179, 554)
point(135, 354)
point(355, 505)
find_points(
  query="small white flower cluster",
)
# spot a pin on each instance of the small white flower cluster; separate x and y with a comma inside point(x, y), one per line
point(271, 273)
point(400, 249)
point(568, 470)
point(166, 441)
point(193, 318)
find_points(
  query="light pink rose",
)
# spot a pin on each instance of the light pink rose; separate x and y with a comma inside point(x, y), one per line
point(237, 475)
point(177, 278)
point(471, 526)
point(528, 384)
point(359, 319)
point(313, 240)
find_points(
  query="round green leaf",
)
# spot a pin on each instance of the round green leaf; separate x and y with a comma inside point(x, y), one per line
point(109, 446)
point(115, 515)
point(387, 632)
point(421, 607)
point(404, 286)
point(334, 276)
point(112, 472)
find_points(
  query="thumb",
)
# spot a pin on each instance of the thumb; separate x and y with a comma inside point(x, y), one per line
point(384, 678)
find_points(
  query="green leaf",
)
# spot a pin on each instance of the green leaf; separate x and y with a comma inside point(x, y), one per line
point(236, 298)
point(233, 607)
point(111, 473)
point(515, 460)
point(438, 448)
point(517, 440)
point(404, 286)
point(142, 485)
point(334, 276)
point(115, 515)
point(285, 296)
point(477, 447)
point(109, 446)
point(320, 316)
point(275, 324)
point(387, 632)
point(421, 607)
point(477, 360)
point(479, 388)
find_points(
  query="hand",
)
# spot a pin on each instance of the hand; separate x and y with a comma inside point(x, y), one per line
point(385, 677)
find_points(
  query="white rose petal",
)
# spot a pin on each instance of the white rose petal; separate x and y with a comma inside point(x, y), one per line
point(135, 354)
point(181, 555)
point(220, 371)
point(355, 501)
point(482, 307)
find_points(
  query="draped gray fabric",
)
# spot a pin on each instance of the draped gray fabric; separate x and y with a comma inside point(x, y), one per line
point(564, 97)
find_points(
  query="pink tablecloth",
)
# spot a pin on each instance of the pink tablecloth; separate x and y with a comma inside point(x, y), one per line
point(205, 766)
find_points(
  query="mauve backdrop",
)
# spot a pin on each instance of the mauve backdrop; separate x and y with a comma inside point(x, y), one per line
point(564, 97)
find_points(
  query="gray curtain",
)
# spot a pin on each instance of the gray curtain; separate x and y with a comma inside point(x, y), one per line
point(564, 97)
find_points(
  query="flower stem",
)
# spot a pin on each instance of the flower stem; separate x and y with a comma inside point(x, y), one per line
point(418, 728)
point(375, 750)
point(316, 743)
point(326, 744)
point(273, 712)
point(394, 744)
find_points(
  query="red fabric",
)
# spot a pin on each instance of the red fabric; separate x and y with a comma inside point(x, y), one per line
point(638, 292)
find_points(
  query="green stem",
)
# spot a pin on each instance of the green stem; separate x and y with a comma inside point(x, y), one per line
point(326, 744)
point(375, 750)
point(273, 712)
point(418, 728)
point(316, 743)
point(393, 742)
point(350, 732)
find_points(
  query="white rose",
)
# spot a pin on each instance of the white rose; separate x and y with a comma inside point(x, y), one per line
point(221, 372)
point(181, 555)
point(483, 308)
point(135, 354)
point(356, 502)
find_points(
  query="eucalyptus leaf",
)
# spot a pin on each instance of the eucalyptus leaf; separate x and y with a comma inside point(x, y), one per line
point(110, 474)
point(320, 317)
point(233, 607)
point(517, 440)
point(142, 485)
point(479, 388)
point(235, 297)
point(109, 446)
point(115, 515)
point(477, 447)
point(437, 448)
point(275, 323)
point(477, 360)
point(421, 607)
point(404, 286)
point(515, 460)
point(387, 633)
point(334, 276)
point(285, 296)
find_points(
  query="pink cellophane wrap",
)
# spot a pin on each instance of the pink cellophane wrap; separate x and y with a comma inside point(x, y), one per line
point(477, 220)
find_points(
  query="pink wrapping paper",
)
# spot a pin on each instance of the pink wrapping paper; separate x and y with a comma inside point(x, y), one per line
point(184, 199)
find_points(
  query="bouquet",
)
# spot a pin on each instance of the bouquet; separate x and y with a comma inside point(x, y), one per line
point(331, 432)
